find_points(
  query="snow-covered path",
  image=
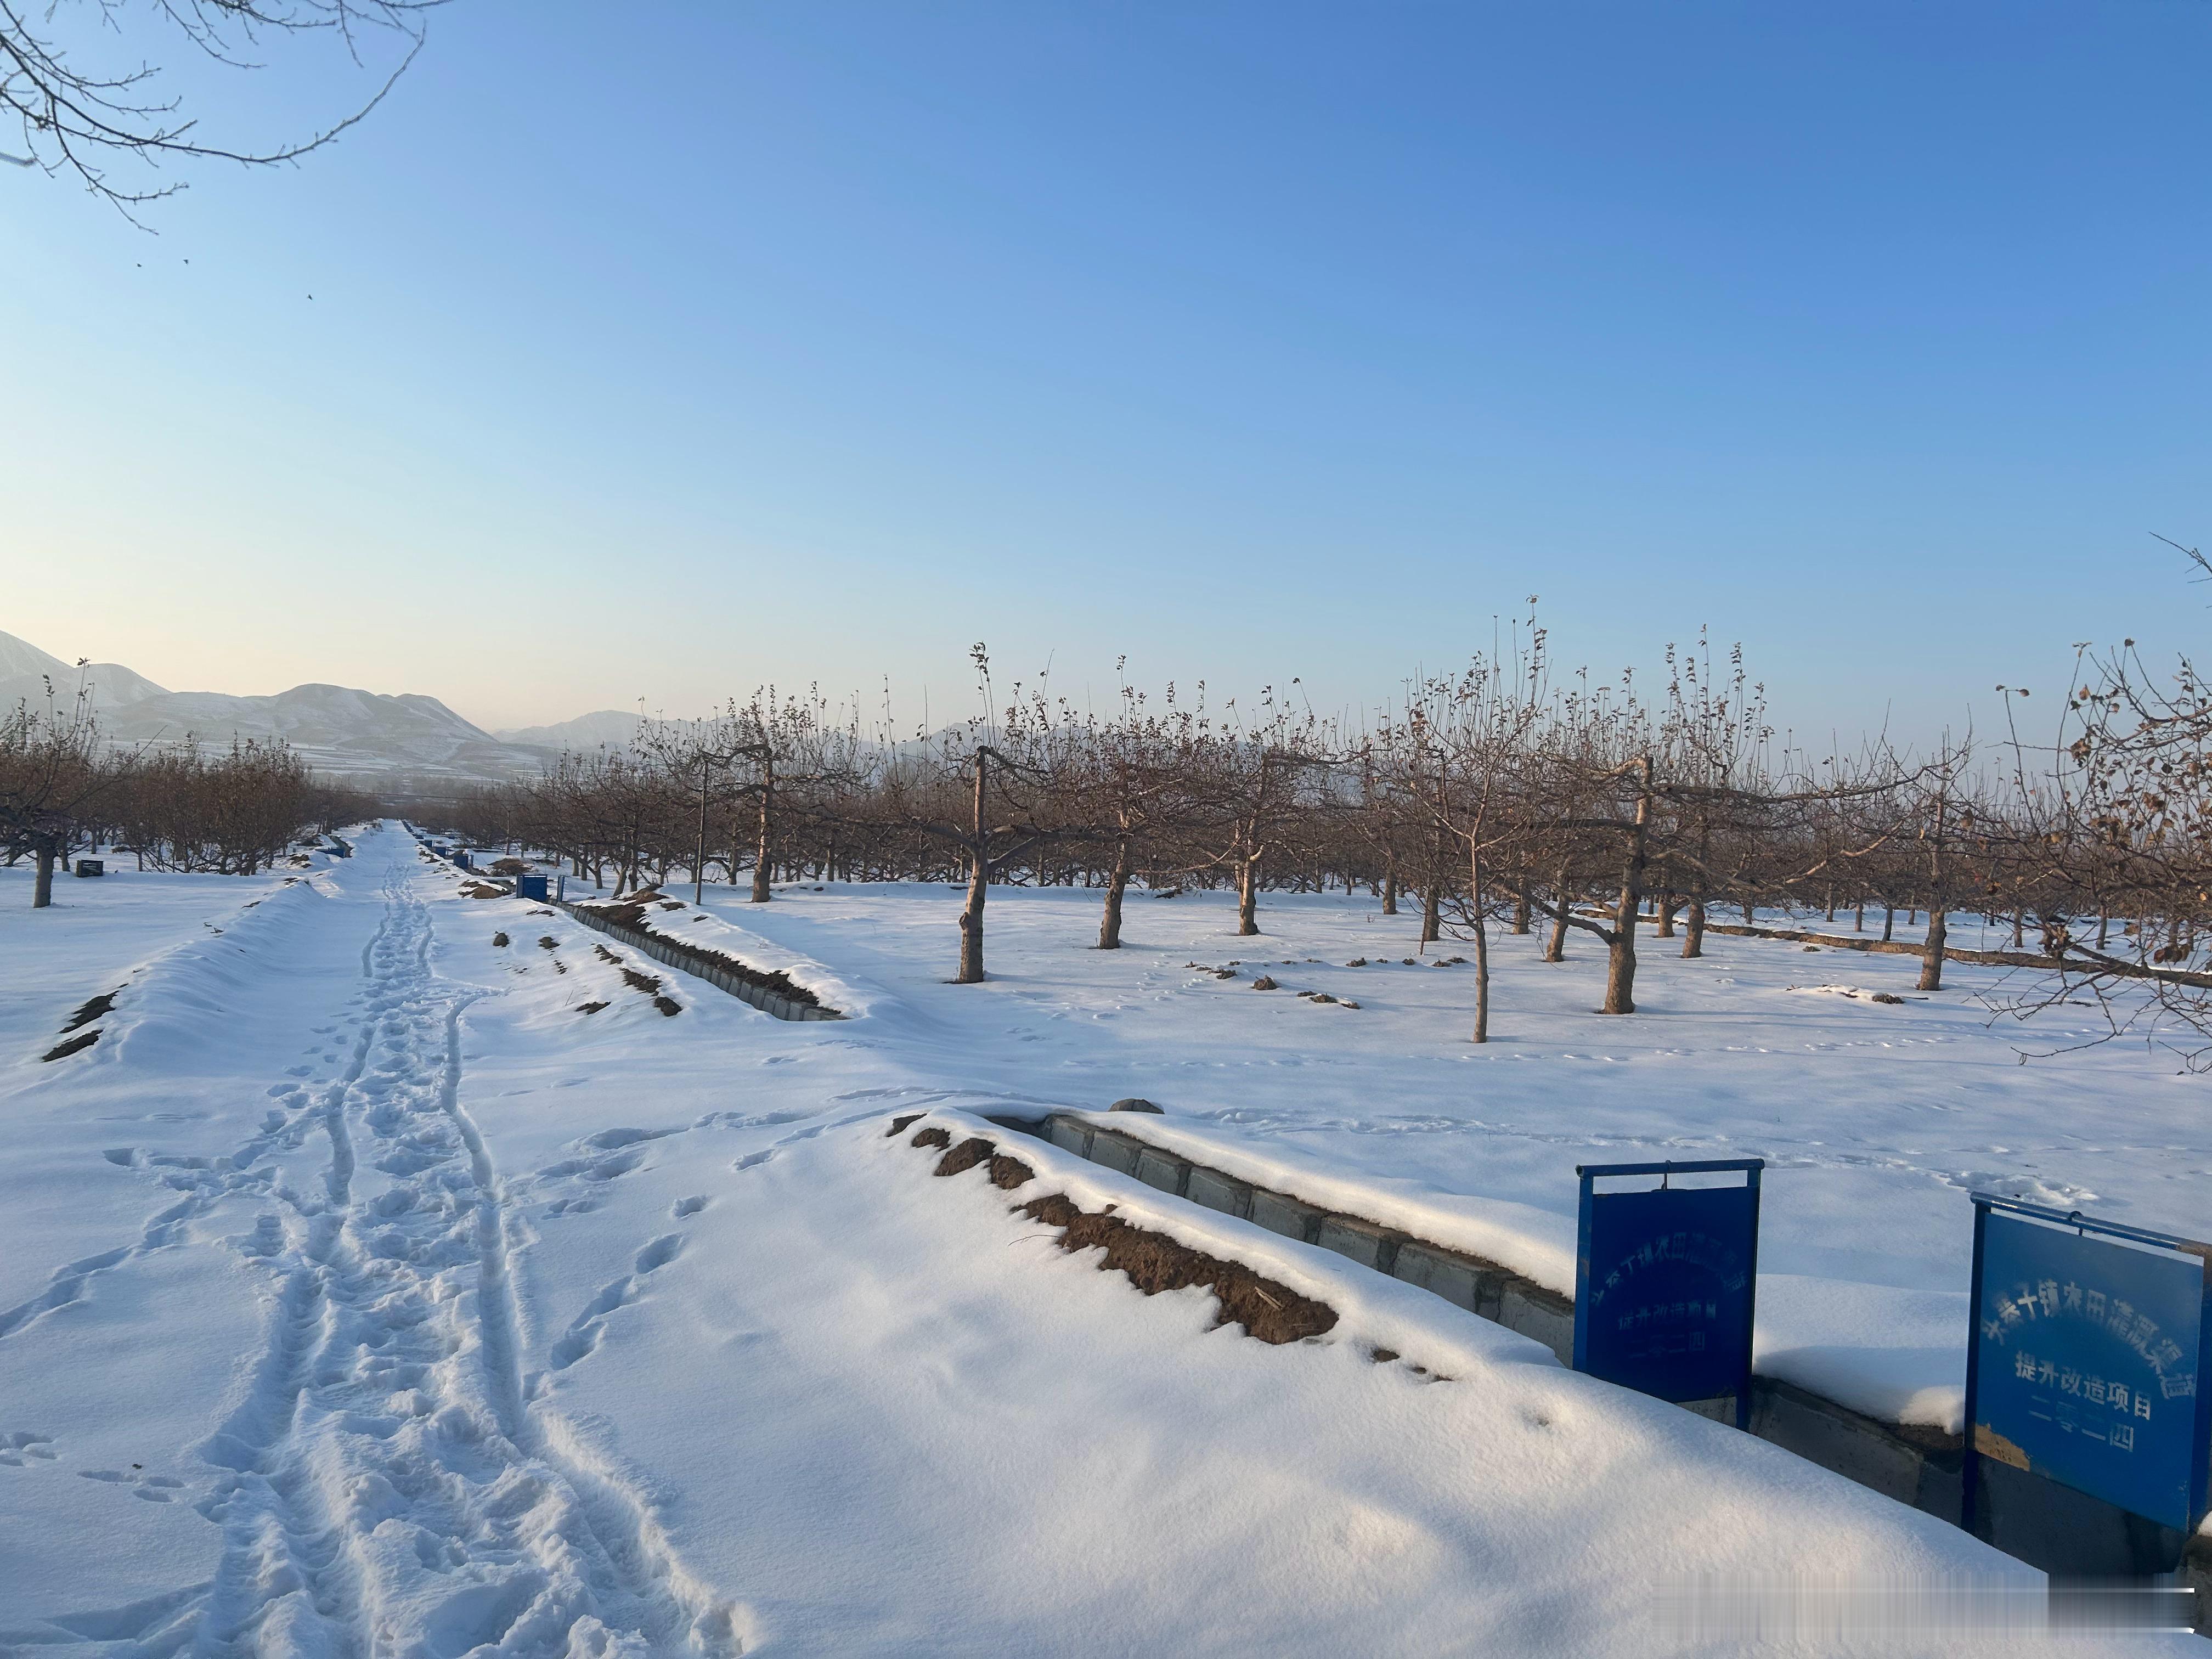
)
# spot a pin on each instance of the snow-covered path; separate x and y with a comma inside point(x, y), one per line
point(388, 1475)
point(384, 1481)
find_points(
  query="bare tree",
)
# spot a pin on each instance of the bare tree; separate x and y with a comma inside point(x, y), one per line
point(79, 119)
point(1130, 780)
point(988, 789)
point(2124, 830)
point(1478, 727)
point(1257, 782)
point(53, 774)
point(1943, 819)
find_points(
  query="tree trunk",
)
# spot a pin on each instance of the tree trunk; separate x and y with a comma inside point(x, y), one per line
point(1619, 974)
point(1481, 946)
point(1888, 921)
point(1932, 959)
point(1668, 906)
point(971, 920)
point(1693, 933)
point(42, 891)
point(1555, 949)
point(1521, 911)
point(2018, 918)
point(1858, 921)
point(1247, 895)
point(699, 858)
point(1432, 883)
point(979, 887)
point(764, 859)
point(1390, 883)
point(1620, 949)
point(1109, 924)
point(1481, 981)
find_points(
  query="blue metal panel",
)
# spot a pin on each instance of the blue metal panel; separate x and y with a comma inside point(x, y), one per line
point(1666, 1284)
point(2087, 1358)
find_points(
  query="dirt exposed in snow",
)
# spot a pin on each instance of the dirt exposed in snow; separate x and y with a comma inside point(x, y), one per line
point(1268, 1310)
point(92, 1010)
point(69, 1046)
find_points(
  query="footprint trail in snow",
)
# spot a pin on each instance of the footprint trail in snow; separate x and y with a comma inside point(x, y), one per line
point(385, 1487)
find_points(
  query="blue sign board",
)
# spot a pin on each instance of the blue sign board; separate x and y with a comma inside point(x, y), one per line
point(2087, 1360)
point(1665, 1282)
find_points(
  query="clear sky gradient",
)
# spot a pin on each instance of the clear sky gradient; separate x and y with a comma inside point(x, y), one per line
point(657, 350)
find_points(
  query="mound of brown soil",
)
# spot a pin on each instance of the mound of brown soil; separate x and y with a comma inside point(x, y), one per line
point(965, 1156)
point(1153, 1262)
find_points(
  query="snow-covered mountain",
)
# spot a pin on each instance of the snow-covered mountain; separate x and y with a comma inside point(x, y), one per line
point(27, 673)
point(338, 730)
point(610, 727)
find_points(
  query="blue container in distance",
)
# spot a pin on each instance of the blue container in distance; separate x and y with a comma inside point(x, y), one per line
point(532, 887)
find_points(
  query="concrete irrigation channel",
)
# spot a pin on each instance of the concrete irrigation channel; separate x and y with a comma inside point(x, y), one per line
point(724, 973)
point(720, 972)
point(2040, 1522)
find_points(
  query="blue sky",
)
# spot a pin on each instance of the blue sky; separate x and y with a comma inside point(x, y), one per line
point(657, 351)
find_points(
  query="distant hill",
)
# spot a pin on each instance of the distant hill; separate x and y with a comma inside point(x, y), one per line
point(607, 726)
point(25, 671)
point(21, 657)
point(339, 731)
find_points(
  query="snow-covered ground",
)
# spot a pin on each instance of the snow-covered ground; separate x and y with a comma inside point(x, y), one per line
point(361, 1295)
point(1876, 1119)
